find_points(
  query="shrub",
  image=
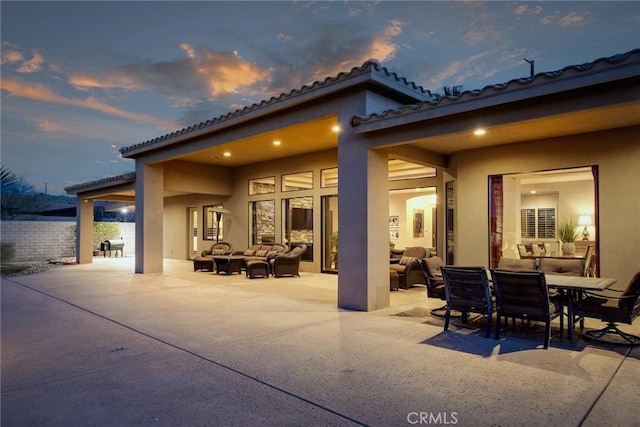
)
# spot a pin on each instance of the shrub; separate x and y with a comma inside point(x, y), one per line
point(104, 231)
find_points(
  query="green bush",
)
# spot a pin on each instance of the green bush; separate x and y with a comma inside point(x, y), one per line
point(105, 231)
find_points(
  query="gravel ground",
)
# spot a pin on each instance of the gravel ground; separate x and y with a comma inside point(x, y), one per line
point(36, 266)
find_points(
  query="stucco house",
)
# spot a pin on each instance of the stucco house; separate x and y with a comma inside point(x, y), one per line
point(410, 168)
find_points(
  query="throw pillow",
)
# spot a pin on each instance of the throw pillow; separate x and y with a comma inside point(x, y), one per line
point(406, 260)
point(249, 252)
point(261, 253)
point(219, 251)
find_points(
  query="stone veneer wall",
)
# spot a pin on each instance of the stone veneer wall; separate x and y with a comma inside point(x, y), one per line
point(48, 240)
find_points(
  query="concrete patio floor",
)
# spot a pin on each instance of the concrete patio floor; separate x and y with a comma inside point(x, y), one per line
point(96, 344)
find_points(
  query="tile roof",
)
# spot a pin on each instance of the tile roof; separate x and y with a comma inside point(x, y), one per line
point(109, 181)
point(491, 90)
point(370, 67)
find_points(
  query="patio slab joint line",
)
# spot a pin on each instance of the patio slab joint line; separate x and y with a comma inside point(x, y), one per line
point(595, 401)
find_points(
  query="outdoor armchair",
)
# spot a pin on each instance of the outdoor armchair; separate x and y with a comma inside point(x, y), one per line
point(217, 249)
point(288, 264)
point(525, 295)
point(467, 290)
point(431, 270)
point(611, 306)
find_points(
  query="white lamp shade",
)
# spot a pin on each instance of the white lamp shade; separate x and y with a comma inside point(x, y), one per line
point(584, 220)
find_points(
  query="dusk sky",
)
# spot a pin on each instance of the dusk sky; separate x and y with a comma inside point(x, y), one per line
point(80, 80)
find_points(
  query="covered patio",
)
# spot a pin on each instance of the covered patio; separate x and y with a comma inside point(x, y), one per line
point(97, 344)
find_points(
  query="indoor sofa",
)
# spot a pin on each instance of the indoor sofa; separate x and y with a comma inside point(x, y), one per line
point(408, 267)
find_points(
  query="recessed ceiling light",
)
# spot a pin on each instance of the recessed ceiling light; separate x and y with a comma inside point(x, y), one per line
point(479, 132)
point(533, 192)
point(227, 154)
point(277, 142)
point(336, 128)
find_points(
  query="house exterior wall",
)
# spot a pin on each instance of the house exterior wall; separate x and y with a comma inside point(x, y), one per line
point(617, 154)
point(198, 178)
point(236, 224)
point(176, 224)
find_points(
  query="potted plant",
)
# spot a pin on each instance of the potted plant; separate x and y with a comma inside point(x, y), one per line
point(567, 234)
point(334, 249)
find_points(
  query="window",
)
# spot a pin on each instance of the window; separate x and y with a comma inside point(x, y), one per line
point(538, 223)
point(262, 185)
point(330, 233)
point(526, 208)
point(329, 177)
point(212, 223)
point(298, 224)
point(262, 215)
point(297, 181)
point(400, 170)
point(546, 223)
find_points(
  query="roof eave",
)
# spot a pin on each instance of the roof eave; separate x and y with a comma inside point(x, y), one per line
point(101, 184)
point(369, 74)
point(472, 101)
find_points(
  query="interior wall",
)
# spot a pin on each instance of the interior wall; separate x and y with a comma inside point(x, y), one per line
point(402, 205)
point(616, 152)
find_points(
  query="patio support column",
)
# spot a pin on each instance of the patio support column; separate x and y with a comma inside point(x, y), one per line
point(149, 219)
point(84, 231)
point(363, 198)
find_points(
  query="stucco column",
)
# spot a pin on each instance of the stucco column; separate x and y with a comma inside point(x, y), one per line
point(363, 200)
point(149, 221)
point(84, 231)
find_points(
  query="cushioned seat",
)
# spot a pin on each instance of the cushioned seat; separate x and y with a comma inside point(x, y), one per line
point(217, 249)
point(516, 264)
point(567, 267)
point(288, 264)
point(408, 267)
point(611, 307)
point(203, 263)
point(263, 252)
point(257, 268)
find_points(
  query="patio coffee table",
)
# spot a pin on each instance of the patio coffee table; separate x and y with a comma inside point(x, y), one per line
point(228, 264)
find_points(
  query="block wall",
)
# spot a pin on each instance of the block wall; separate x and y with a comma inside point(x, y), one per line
point(48, 240)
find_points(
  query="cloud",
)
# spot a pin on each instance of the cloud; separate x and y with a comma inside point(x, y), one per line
point(15, 57)
point(524, 9)
point(40, 92)
point(574, 19)
point(203, 74)
point(382, 46)
point(548, 19)
point(482, 29)
point(483, 65)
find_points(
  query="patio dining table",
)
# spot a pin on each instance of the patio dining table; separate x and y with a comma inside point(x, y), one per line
point(572, 284)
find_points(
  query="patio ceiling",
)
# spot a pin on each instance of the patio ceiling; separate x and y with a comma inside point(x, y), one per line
point(307, 137)
point(440, 137)
point(593, 120)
